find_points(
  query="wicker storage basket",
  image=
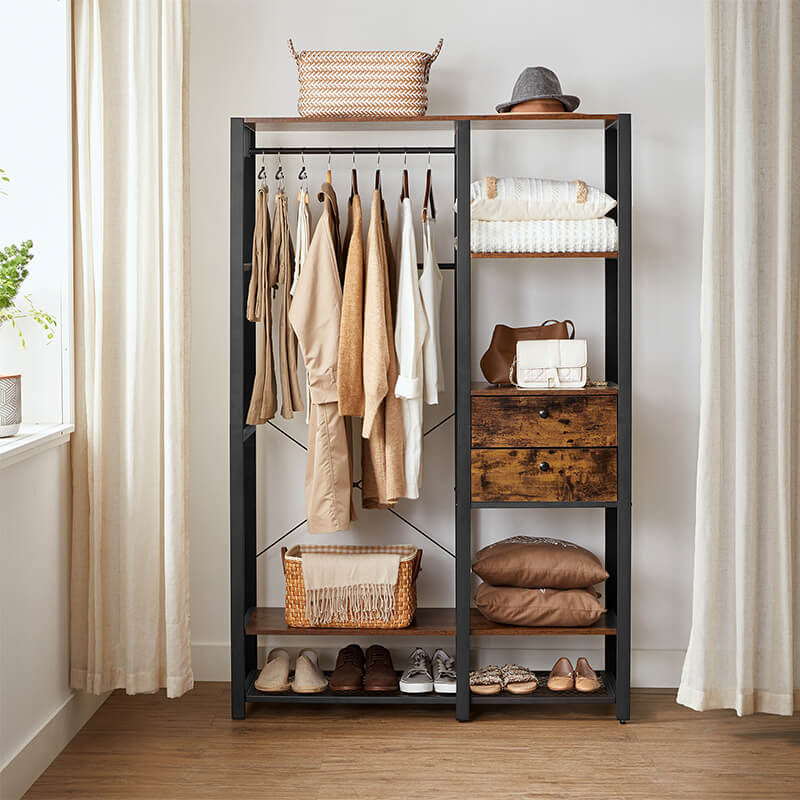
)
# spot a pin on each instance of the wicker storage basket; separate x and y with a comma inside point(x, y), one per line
point(405, 593)
point(363, 83)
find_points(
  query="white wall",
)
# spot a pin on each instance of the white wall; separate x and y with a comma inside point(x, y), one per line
point(628, 56)
point(39, 713)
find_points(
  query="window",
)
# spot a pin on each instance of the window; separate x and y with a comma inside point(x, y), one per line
point(35, 152)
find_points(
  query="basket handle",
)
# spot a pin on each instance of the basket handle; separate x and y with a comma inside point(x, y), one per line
point(417, 565)
point(434, 55)
point(283, 559)
point(295, 55)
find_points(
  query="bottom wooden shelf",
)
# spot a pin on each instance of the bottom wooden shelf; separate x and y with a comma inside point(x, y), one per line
point(254, 696)
point(270, 621)
point(480, 626)
point(606, 694)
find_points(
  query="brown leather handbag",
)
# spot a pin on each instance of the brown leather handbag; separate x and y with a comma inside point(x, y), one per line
point(497, 360)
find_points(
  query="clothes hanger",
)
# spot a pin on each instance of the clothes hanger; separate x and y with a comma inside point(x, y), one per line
point(378, 172)
point(404, 191)
point(328, 173)
point(279, 175)
point(354, 178)
point(302, 176)
point(262, 174)
point(428, 194)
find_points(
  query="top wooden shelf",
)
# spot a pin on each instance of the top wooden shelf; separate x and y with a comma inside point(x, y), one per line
point(563, 120)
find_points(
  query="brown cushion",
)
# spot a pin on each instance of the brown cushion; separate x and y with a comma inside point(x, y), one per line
point(509, 605)
point(531, 562)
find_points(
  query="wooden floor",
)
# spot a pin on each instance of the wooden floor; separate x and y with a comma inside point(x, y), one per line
point(150, 747)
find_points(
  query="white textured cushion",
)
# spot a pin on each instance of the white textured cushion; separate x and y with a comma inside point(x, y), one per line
point(537, 198)
point(545, 236)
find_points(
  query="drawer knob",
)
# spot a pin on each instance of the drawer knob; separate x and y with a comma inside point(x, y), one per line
point(544, 413)
point(544, 466)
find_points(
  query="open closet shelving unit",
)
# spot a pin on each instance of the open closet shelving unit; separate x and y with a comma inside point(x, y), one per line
point(249, 621)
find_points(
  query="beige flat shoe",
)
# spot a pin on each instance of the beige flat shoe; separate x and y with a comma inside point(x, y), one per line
point(562, 676)
point(486, 681)
point(586, 679)
point(308, 677)
point(518, 680)
point(275, 675)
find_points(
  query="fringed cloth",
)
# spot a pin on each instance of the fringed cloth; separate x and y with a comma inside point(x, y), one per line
point(345, 586)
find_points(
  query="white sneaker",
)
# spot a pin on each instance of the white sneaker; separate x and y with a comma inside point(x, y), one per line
point(444, 672)
point(417, 677)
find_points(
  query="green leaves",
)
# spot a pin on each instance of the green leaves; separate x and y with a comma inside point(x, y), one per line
point(14, 261)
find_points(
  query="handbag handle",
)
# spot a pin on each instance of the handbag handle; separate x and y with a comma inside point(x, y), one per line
point(295, 55)
point(566, 322)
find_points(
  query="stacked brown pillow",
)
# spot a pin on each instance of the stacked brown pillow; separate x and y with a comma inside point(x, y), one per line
point(538, 582)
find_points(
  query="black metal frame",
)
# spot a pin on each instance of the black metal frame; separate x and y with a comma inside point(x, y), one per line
point(243, 552)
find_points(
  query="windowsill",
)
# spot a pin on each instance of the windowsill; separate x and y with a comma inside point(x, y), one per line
point(33, 439)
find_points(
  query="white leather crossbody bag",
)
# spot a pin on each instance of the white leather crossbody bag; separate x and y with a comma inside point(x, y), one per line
point(550, 364)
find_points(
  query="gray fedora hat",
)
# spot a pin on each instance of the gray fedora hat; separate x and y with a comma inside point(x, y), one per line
point(538, 83)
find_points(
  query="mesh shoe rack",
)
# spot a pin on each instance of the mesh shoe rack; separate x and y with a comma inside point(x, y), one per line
point(248, 621)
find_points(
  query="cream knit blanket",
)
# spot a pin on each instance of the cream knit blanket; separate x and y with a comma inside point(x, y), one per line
point(346, 586)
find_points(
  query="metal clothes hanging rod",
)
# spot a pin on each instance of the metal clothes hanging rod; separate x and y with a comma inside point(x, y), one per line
point(346, 151)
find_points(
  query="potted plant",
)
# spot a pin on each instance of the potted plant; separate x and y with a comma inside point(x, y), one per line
point(14, 261)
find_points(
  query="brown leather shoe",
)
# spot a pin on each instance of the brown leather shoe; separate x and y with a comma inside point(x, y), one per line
point(562, 676)
point(380, 675)
point(348, 676)
point(586, 679)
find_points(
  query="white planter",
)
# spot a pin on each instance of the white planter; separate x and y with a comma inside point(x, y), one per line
point(10, 404)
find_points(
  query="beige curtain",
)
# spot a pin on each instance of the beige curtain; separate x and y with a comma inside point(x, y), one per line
point(130, 563)
point(744, 649)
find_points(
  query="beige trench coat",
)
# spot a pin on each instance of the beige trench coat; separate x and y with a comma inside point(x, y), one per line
point(315, 315)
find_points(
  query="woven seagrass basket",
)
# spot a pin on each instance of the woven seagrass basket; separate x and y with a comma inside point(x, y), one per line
point(363, 83)
point(405, 592)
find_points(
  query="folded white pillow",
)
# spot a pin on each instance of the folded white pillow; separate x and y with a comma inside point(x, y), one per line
point(536, 198)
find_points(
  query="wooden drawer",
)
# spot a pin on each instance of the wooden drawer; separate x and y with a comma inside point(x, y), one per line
point(542, 420)
point(544, 475)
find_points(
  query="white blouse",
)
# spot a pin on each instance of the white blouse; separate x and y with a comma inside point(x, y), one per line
point(410, 329)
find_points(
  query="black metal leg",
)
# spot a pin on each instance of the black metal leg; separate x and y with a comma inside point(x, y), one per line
point(242, 454)
point(624, 412)
point(463, 411)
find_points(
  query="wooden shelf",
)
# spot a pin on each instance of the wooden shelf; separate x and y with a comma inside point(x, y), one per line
point(270, 621)
point(556, 120)
point(480, 626)
point(482, 389)
point(545, 255)
point(606, 693)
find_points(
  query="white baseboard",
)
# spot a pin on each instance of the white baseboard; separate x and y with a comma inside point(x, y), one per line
point(651, 669)
point(33, 758)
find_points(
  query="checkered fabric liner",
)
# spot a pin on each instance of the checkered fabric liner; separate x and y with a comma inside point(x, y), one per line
point(377, 83)
point(405, 594)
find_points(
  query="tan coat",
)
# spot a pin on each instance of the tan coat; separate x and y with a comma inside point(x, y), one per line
point(281, 268)
point(264, 399)
point(382, 455)
point(351, 330)
point(315, 315)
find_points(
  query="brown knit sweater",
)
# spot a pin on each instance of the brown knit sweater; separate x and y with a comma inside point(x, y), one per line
point(351, 333)
point(382, 455)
